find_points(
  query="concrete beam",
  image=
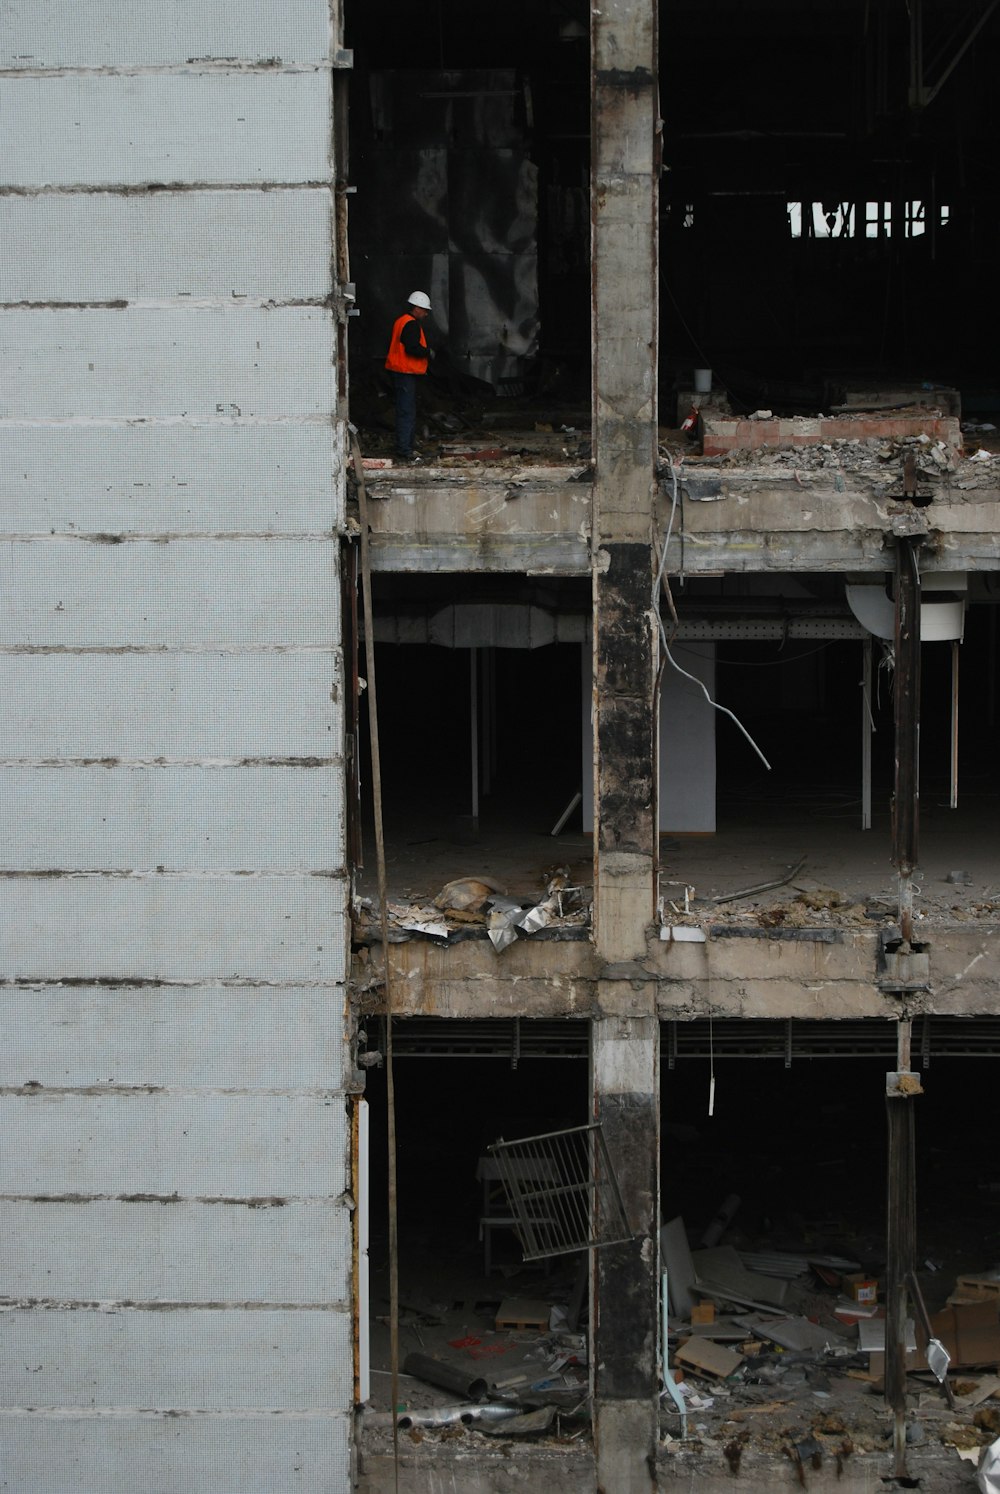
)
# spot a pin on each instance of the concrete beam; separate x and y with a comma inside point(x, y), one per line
point(521, 520)
point(822, 974)
point(756, 519)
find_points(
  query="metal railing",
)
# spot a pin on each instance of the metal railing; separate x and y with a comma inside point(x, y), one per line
point(562, 1191)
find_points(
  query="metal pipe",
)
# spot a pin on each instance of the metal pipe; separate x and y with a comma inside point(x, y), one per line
point(906, 800)
point(665, 1374)
point(445, 1376)
point(900, 1252)
point(445, 1416)
point(474, 735)
point(953, 800)
point(867, 726)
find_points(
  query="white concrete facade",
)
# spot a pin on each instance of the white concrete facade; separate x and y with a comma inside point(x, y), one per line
point(175, 1195)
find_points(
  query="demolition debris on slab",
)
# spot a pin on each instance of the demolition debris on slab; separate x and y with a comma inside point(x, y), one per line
point(787, 1366)
point(477, 907)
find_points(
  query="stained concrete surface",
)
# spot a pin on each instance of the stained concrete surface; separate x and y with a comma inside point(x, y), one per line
point(759, 840)
point(805, 1148)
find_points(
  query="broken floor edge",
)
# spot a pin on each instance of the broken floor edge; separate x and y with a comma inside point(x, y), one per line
point(436, 1466)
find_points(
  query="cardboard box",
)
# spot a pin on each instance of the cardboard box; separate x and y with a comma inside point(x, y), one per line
point(703, 1312)
point(860, 1288)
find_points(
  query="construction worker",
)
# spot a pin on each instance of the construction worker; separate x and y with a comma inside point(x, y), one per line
point(406, 360)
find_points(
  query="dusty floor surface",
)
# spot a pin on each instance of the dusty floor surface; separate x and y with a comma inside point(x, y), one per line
point(847, 873)
point(810, 1407)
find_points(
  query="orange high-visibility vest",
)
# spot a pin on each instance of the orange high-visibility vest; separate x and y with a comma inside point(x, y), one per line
point(398, 359)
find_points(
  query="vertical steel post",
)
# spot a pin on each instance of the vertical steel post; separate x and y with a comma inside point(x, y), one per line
point(953, 797)
point(866, 734)
point(906, 802)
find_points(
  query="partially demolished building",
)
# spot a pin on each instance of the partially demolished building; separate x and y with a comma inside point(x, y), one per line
point(622, 769)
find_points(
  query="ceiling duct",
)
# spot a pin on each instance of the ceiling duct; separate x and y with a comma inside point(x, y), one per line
point(942, 614)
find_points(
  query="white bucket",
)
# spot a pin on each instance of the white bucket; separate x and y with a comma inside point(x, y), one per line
point(703, 381)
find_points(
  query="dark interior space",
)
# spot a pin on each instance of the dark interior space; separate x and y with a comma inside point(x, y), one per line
point(801, 701)
point(448, 1112)
point(470, 133)
point(802, 1143)
point(826, 219)
point(481, 690)
point(805, 1149)
point(826, 195)
point(481, 732)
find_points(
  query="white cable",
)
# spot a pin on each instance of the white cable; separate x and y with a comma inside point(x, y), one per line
point(663, 635)
point(711, 1070)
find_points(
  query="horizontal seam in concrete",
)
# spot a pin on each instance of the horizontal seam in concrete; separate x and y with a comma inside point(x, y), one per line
point(249, 1202)
point(170, 648)
point(172, 537)
point(247, 1413)
point(171, 762)
point(118, 303)
point(153, 982)
point(191, 67)
point(32, 1089)
point(147, 188)
point(114, 1304)
point(324, 418)
point(172, 874)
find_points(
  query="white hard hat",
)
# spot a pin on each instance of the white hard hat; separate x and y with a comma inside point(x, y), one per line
point(420, 298)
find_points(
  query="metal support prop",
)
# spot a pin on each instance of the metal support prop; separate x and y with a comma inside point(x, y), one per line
point(900, 1248)
point(669, 1383)
point(953, 798)
point(867, 727)
point(906, 802)
point(474, 736)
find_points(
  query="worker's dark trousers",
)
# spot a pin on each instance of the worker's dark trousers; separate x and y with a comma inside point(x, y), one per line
point(406, 412)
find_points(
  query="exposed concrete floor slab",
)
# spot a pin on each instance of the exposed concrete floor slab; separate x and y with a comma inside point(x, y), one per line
point(755, 843)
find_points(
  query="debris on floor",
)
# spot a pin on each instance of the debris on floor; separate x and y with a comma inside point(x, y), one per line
point(805, 1378)
point(477, 907)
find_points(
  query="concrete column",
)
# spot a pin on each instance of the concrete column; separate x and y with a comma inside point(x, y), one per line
point(624, 173)
point(623, 208)
point(625, 1072)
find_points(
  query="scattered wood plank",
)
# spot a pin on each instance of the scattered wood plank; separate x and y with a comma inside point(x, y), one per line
point(977, 1288)
point(708, 1358)
point(519, 1312)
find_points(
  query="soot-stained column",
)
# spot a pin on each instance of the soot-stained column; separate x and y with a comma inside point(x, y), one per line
point(624, 173)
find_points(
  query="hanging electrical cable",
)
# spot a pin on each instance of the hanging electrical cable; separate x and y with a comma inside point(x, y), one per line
point(663, 580)
point(366, 586)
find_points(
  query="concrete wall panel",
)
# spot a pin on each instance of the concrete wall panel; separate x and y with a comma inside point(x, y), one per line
point(173, 933)
point(103, 246)
point(254, 1038)
point(192, 1144)
point(170, 705)
point(228, 1038)
point(191, 593)
point(135, 819)
point(170, 479)
point(190, 363)
point(67, 1454)
point(174, 1360)
point(198, 128)
point(195, 929)
point(184, 1252)
point(150, 33)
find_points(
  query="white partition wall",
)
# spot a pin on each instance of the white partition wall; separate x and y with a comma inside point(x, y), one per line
point(687, 742)
point(173, 942)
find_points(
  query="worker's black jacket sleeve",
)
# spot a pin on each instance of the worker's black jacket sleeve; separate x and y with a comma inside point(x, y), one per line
point(410, 338)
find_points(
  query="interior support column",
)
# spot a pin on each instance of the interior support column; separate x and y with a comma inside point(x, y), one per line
point(624, 270)
point(625, 1053)
point(624, 193)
